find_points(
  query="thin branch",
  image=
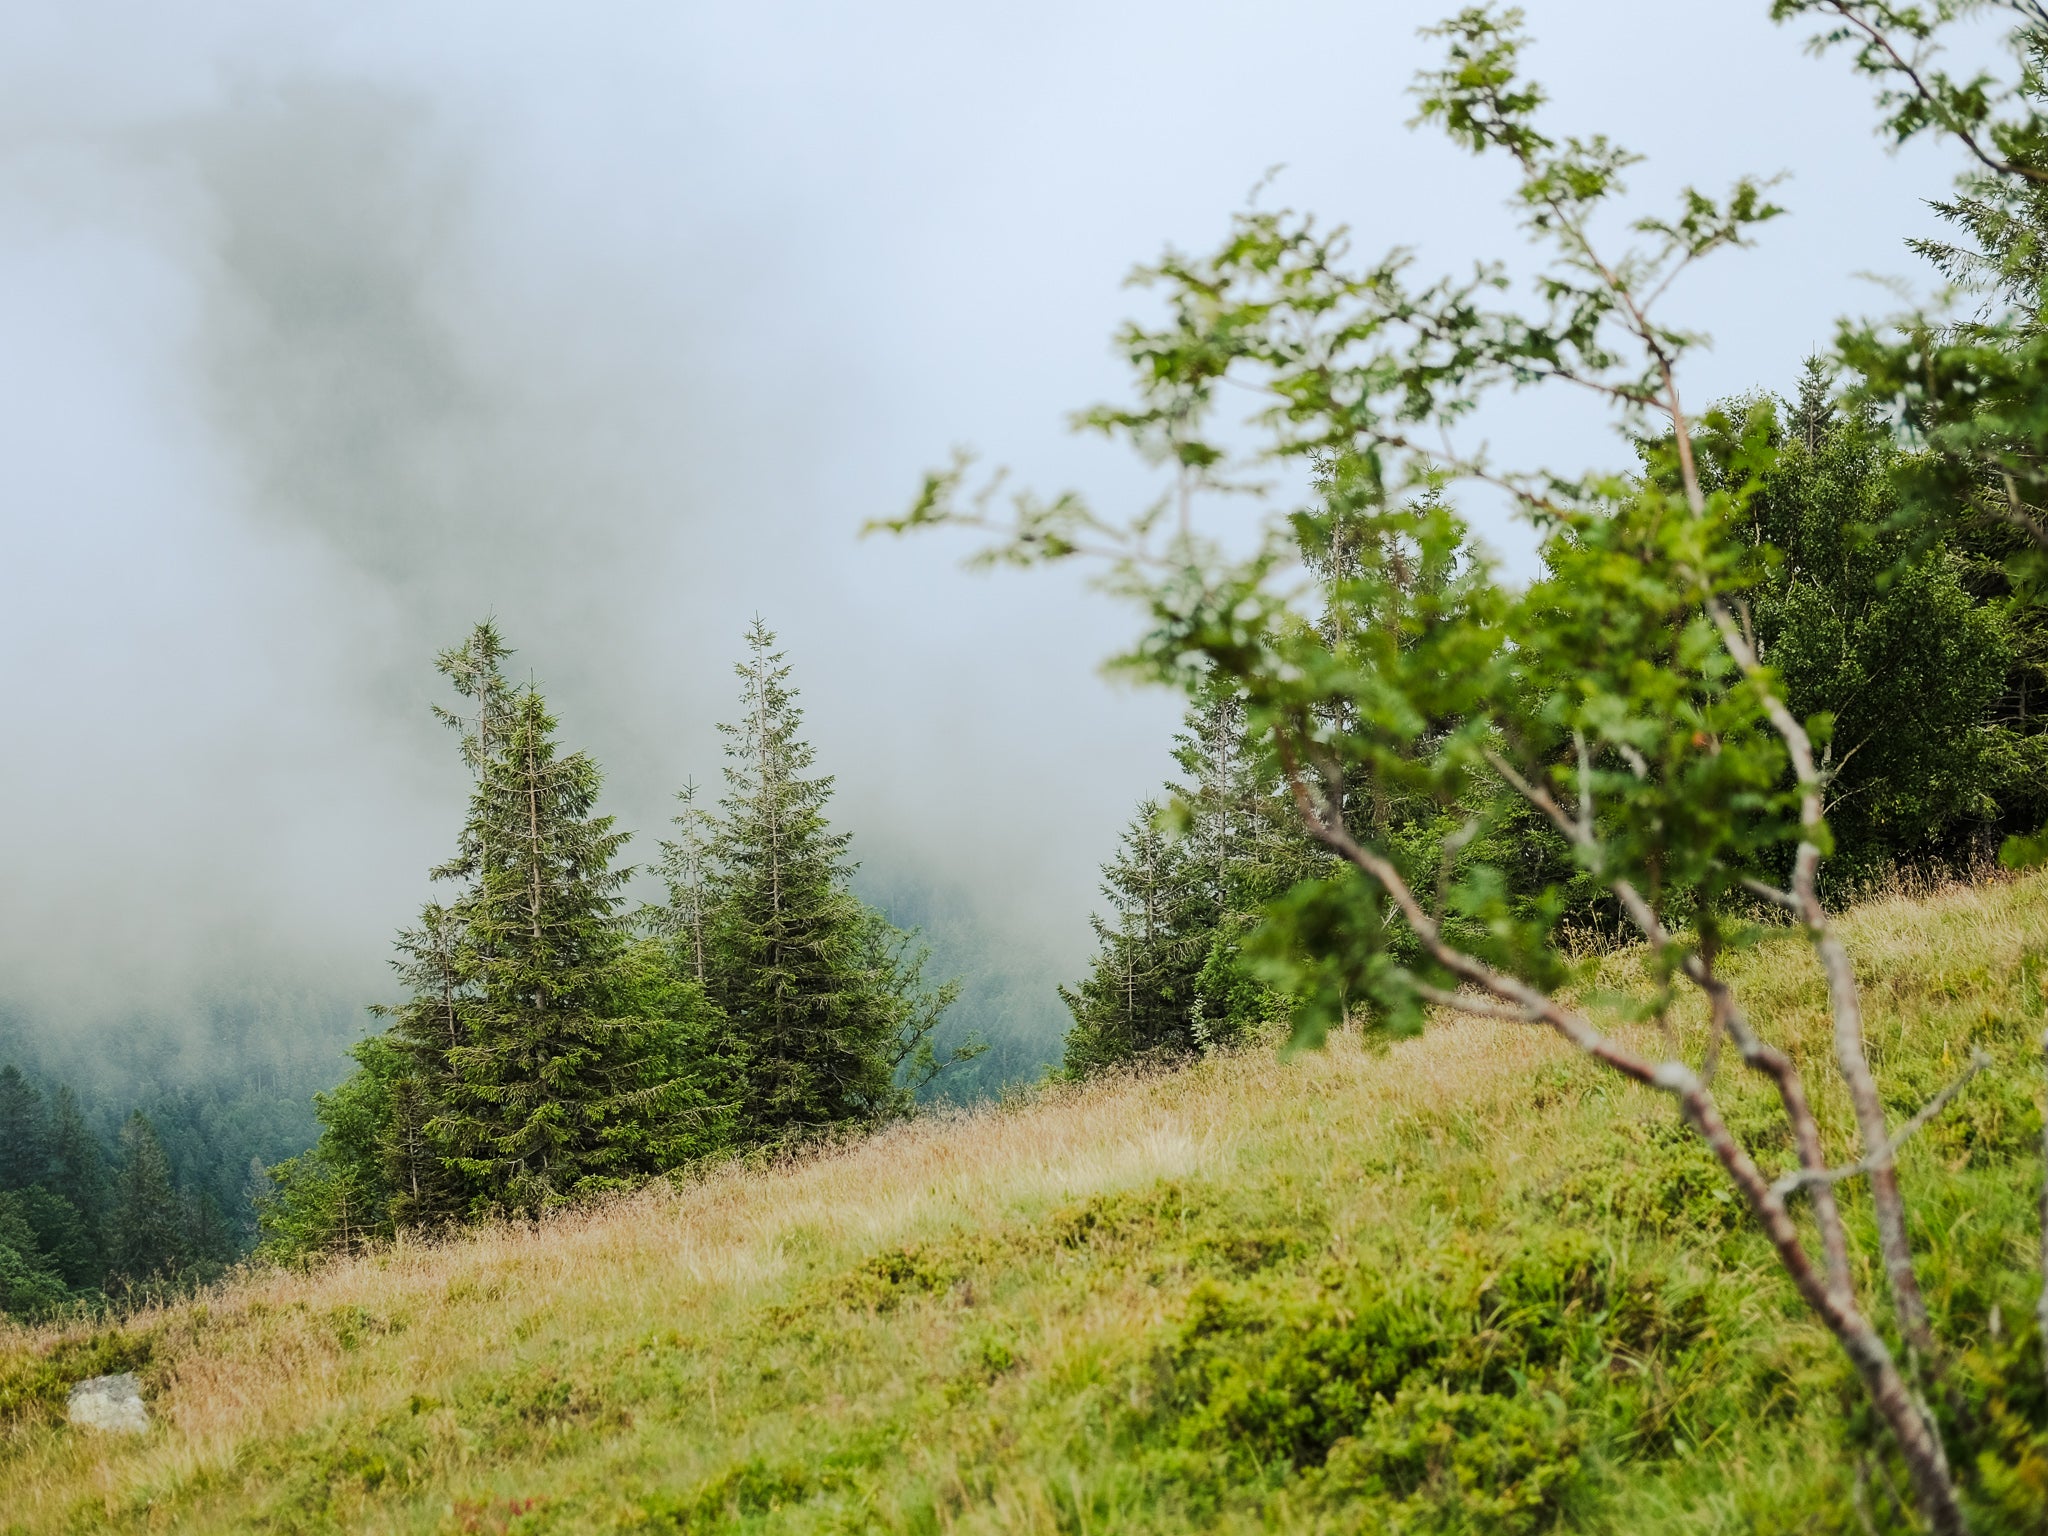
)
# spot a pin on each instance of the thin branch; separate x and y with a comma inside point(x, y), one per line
point(1726, 1016)
point(1770, 893)
point(1835, 1306)
point(1901, 64)
point(1845, 1002)
point(1805, 1178)
point(2016, 513)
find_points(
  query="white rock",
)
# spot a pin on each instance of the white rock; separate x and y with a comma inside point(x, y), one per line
point(110, 1403)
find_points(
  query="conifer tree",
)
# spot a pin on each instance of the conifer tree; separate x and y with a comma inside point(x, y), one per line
point(148, 1241)
point(825, 1000)
point(686, 868)
point(78, 1176)
point(24, 1132)
point(1246, 849)
point(1138, 998)
point(551, 1090)
point(29, 1284)
point(534, 1056)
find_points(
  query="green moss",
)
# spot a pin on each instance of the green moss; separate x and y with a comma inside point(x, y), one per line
point(35, 1384)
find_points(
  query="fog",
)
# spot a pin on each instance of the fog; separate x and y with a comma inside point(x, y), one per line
point(328, 330)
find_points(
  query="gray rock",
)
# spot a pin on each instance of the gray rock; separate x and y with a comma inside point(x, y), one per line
point(110, 1403)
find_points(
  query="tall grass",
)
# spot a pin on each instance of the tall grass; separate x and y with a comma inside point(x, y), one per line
point(1134, 1305)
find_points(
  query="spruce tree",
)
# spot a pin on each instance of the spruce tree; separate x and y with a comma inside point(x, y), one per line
point(825, 1000)
point(147, 1240)
point(30, 1285)
point(551, 1091)
point(78, 1175)
point(536, 1054)
point(24, 1132)
point(1137, 1001)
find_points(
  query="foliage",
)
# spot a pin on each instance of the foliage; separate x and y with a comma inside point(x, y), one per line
point(549, 1049)
point(69, 1234)
point(823, 1003)
point(1909, 649)
point(1635, 695)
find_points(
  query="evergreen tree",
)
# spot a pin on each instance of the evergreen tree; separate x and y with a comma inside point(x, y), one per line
point(78, 1166)
point(1814, 413)
point(1246, 848)
point(30, 1285)
point(148, 1239)
point(826, 1002)
point(78, 1176)
point(537, 1054)
point(397, 1161)
point(551, 1091)
point(24, 1132)
point(1138, 999)
point(1888, 640)
point(686, 868)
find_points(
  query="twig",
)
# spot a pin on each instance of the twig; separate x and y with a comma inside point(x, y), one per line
point(1802, 1178)
point(1770, 893)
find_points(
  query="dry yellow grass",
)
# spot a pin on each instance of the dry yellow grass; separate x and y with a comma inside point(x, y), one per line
point(274, 1360)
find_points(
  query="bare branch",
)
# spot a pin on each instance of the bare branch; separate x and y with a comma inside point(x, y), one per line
point(1805, 1178)
point(1770, 893)
point(1845, 1002)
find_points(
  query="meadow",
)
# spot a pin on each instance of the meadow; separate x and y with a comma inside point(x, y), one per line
point(1462, 1282)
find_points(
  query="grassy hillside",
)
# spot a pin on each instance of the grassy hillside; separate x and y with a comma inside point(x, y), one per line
point(1468, 1283)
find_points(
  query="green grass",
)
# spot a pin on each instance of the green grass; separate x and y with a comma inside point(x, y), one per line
point(1466, 1284)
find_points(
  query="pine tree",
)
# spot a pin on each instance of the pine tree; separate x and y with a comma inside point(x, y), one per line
point(148, 1241)
point(403, 1168)
point(1245, 847)
point(30, 1286)
point(535, 1055)
point(825, 1000)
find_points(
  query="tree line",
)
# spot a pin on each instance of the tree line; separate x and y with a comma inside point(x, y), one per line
point(1911, 642)
point(553, 1044)
point(80, 1222)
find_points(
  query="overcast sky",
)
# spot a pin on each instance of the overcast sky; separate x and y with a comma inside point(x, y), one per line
point(326, 329)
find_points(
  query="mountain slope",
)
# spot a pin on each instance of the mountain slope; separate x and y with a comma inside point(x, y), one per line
point(1466, 1283)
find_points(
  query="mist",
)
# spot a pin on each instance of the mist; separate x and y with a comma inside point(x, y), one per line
point(327, 335)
